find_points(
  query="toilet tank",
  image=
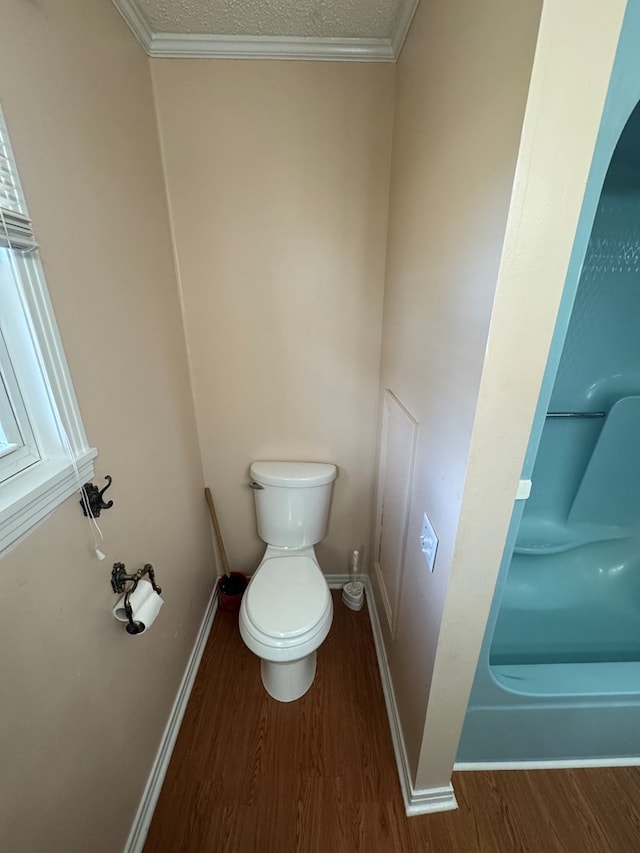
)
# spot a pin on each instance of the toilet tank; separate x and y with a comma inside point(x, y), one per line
point(292, 501)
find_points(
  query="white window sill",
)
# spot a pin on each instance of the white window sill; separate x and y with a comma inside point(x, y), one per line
point(28, 497)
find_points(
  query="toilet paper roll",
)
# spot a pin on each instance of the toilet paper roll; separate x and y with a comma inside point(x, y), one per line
point(147, 614)
point(145, 604)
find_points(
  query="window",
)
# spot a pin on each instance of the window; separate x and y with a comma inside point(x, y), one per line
point(44, 453)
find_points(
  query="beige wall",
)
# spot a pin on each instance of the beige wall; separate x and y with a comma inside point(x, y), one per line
point(83, 704)
point(278, 176)
point(461, 88)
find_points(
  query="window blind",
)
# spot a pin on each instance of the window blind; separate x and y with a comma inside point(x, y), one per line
point(16, 231)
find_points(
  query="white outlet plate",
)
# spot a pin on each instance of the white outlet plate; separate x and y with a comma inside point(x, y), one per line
point(428, 542)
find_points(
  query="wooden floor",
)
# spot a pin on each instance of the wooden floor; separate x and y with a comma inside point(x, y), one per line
point(251, 775)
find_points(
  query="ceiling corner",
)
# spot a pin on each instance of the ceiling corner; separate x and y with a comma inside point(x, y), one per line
point(407, 11)
point(136, 21)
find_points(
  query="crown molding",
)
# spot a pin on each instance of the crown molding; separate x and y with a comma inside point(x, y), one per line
point(195, 46)
point(186, 45)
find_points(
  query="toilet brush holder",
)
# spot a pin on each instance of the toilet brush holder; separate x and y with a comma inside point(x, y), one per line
point(353, 595)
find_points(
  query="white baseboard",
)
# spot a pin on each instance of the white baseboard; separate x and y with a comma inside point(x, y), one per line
point(430, 800)
point(337, 581)
point(554, 764)
point(142, 820)
point(416, 801)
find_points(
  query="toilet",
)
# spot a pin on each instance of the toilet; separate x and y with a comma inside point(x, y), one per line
point(286, 611)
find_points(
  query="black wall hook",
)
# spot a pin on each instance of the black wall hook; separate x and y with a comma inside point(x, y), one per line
point(95, 499)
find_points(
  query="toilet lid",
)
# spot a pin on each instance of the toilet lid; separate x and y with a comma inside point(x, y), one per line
point(287, 597)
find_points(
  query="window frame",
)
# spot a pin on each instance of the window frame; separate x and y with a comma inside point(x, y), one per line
point(43, 399)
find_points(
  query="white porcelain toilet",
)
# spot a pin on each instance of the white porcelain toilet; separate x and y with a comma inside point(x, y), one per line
point(286, 611)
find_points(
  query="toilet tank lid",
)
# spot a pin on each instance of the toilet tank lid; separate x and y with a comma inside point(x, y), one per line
point(293, 474)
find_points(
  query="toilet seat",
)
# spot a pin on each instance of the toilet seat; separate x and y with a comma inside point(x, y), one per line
point(287, 598)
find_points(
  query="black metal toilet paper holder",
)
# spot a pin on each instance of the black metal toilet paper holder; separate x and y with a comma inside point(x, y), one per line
point(119, 581)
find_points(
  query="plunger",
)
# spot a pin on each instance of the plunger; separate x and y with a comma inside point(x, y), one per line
point(234, 583)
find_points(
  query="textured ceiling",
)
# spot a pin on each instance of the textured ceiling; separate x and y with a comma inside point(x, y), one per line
point(339, 30)
point(302, 18)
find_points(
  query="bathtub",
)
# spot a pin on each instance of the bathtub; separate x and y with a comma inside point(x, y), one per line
point(554, 714)
point(558, 682)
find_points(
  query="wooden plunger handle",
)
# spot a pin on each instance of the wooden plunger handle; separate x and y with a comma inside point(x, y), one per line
point(218, 532)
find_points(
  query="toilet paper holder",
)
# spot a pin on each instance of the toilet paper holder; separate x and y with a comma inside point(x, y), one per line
point(119, 581)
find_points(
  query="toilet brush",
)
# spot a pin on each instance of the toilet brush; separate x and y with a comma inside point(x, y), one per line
point(353, 592)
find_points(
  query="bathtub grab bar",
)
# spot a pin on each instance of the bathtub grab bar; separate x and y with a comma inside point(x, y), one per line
point(576, 414)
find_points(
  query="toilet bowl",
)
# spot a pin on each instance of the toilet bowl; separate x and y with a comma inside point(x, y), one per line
point(287, 611)
point(285, 615)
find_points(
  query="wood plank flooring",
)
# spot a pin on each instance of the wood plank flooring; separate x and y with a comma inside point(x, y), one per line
point(251, 775)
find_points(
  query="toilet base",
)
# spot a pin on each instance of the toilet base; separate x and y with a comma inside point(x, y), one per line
point(290, 680)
